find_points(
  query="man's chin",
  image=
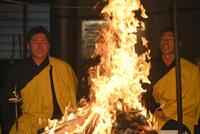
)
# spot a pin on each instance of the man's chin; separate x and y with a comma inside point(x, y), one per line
point(166, 53)
point(40, 57)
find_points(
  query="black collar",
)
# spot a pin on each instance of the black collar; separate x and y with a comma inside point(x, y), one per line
point(27, 70)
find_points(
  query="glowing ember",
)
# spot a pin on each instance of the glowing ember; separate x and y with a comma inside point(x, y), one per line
point(116, 81)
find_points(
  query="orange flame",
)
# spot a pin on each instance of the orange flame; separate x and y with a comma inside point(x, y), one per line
point(116, 81)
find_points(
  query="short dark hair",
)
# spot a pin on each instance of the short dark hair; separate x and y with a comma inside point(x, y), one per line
point(170, 29)
point(167, 29)
point(36, 30)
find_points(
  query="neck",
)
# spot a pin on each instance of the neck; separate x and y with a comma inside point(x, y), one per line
point(38, 61)
point(168, 59)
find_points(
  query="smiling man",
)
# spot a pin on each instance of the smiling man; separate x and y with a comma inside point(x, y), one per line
point(47, 85)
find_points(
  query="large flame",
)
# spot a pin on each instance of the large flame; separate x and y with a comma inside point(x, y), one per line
point(116, 81)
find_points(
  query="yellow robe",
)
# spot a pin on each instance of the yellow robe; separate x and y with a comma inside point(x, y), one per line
point(37, 105)
point(165, 93)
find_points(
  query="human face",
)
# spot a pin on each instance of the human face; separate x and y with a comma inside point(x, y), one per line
point(167, 43)
point(39, 46)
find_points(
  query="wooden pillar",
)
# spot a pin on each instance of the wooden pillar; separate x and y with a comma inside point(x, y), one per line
point(64, 30)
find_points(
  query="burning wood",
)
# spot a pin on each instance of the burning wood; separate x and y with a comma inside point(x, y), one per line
point(126, 123)
point(115, 100)
point(71, 125)
point(132, 123)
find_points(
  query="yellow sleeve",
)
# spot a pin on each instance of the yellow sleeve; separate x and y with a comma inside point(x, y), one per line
point(65, 82)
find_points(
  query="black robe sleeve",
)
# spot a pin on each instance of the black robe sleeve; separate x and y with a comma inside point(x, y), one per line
point(7, 110)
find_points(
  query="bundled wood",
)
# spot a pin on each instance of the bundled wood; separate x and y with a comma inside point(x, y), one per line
point(126, 123)
point(85, 124)
point(132, 123)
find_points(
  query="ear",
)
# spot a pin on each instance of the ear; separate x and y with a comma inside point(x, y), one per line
point(180, 43)
point(49, 45)
point(28, 47)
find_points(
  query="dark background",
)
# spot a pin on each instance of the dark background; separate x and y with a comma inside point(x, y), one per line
point(65, 17)
point(160, 16)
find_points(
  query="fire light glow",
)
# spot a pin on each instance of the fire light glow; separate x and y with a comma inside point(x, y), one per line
point(116, 80)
